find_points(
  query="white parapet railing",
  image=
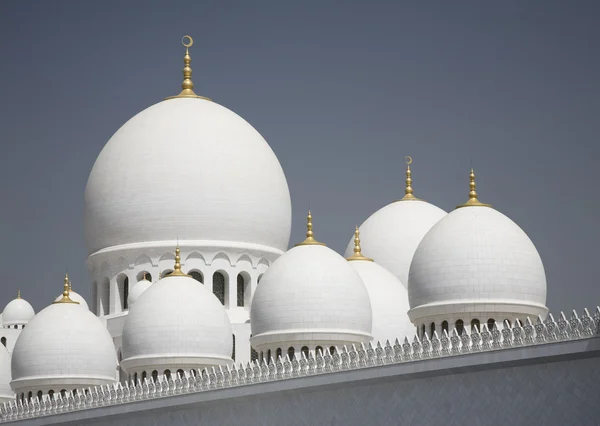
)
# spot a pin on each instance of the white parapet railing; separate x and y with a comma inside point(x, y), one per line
point(342, 359)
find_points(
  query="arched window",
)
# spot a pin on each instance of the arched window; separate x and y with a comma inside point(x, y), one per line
point(431, 329)
point(16, 326)
point(144, 376)
point(253, 355)
point(460, 326)
point(305, 351)
point(123, 289)
point(319, 350)
point(241, 284)
point(180, 373)
point(490, 323)
point(507, 323)
point(74, 392)
point(135, 381)
point(166, 273)
point(29, 396)
point(259, 278)
point(3, 340)
point(50, 394)
point(518, 323)
point(154, 376)
point(269, 356)
point(233, 348)
point(261, 357)
point(422, 330)
point(144, 275)
point(167, 374)
point(331, 350)
point(445, 326)
point(475, 325)
point(278, 352)
point(291, 352)
point(219, 286)
point(39, 394)
point(63, 393)
point(197, 275)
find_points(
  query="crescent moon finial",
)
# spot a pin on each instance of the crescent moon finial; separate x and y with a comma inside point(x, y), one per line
point(408, 160)
point(189, 43)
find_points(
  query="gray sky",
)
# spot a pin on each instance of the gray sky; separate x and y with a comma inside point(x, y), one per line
point(342, 91)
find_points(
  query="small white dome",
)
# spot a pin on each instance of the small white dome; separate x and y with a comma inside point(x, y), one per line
point(76, 297)
point(199, 170)
point(310, 295)
point(389, 302)
point(64, 346)
point(6, 393)
point(392, 234)
point(137, 290)
point(476, 260)
point(17, 312)
point(177, 323)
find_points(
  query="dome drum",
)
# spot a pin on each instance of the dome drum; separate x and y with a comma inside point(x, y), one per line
point(308, 337)
point(172, 362)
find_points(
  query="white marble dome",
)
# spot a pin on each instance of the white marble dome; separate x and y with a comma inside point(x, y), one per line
point(177, 323)
point(392, 234)
point(64, 346)
point(6, 393)
point(310, 295)
point(189, 168)
point(137, 290)
point(389, 302)
point(76, 297)
point(17, 312)
point(476, 261)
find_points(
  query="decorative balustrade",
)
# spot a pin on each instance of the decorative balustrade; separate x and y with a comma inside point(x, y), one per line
point(344, 358)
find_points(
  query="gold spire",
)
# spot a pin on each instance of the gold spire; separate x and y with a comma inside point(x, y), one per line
point(473, 201)
point(408, 191)
point(18, 294)
point(310, 239)
point(177, 269)
point(357, 252)
point(65, 296)
point(187, 85)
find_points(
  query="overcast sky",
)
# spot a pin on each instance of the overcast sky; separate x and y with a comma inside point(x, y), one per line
point(342, 91)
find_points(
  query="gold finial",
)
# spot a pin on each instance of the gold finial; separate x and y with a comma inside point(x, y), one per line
point(65, 295)
point(187, 86)
point(357, 251)
point(408, 191)
point(144, 276)
point(18, 294)
point(177, 269)
point(310, 239)
point(473, 201)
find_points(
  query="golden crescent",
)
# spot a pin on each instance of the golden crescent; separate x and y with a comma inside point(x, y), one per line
point(189, 43)
point(408, 159)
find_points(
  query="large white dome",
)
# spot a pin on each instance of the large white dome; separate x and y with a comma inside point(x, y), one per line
point(64, 346)
point(392, 234)
point(17, 312)
point(310, 295)
point(177, 323)
point(189, 168)
point(476, 260)
point(6, 393)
